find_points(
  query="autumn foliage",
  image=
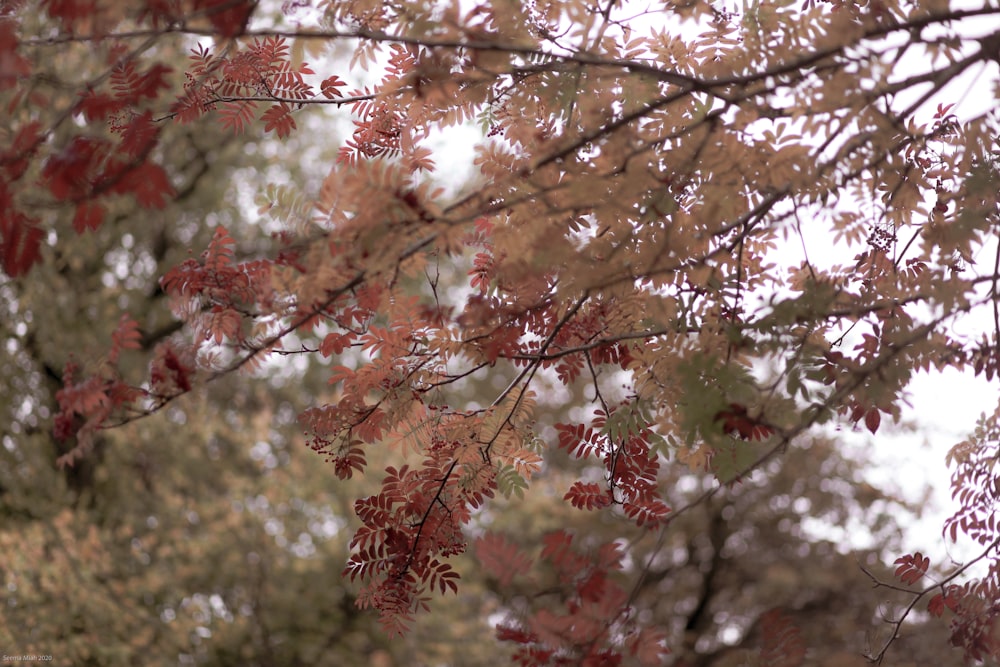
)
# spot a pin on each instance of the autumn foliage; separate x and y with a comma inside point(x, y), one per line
point(722, 232)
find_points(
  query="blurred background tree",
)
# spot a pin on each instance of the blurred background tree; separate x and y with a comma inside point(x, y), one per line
point(207, 534)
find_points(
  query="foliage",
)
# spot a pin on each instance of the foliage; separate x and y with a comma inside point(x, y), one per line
point(645, 235)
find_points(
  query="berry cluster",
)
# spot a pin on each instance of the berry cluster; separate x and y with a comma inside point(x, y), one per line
point(882, 238)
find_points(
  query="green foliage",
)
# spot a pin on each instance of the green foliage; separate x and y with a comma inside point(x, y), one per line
point(509, 482)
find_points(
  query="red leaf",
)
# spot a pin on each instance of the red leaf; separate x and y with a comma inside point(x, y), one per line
point(577, 439)
point(98, 106)
point(220, 250)
point(279, 118)
point(224, 323)
point(192, 105)
point(942, 110)
point(139, 135)
point(228, 17)
point(443, 577)
point(148, 183)
point(160, 12)
point(15, 160)
point(911, 568)
point(15, 65)
point(150, 82)
point(648, 513)
point(506, 633)
point(331, 87)
point(349, 459)
point(648, 646)
point(126, 335)
point(501, 558)
point(873, 419)
point(70, 172)
point(782, 641)
point(179, 373)
point(334, 343)
point(89, 216)
point(588, 496)
point(556, 543)
point(949, 599)
point(83, 397)
point(20, 243)
point(70, 11)
point(237, 115)
point(341, 374)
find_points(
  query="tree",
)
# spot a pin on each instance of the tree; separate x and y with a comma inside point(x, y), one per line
point(719, 232)
point(150, 550)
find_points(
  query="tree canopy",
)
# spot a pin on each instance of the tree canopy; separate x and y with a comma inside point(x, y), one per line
point(599, 383)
